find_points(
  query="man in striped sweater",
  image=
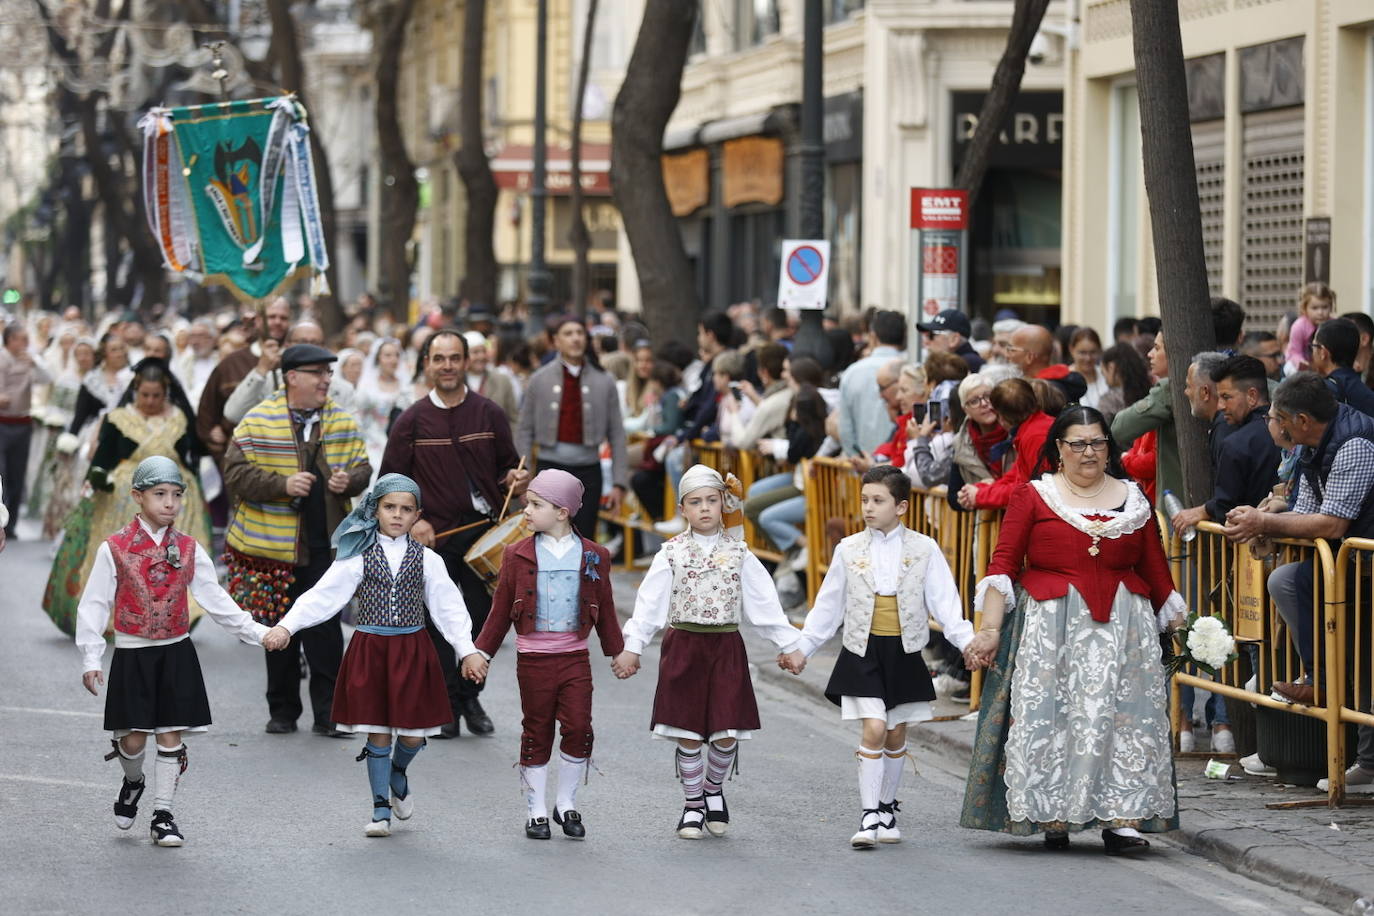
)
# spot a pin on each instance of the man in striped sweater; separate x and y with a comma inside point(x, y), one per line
point(292, 467)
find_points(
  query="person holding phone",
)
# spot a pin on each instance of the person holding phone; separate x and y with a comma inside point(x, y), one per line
point(929, 451)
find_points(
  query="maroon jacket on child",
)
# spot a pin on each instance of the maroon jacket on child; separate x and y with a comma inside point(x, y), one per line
point(515, 600)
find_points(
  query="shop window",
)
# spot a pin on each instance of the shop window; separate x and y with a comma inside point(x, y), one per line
point(843, 222)
point(841, 10)
point(1271, 255)
point(755, 20)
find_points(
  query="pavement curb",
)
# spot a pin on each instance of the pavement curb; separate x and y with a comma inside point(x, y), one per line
point(1252, 853)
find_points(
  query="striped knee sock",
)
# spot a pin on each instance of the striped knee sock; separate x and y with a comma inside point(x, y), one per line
point(692, 773)
point(718, 763)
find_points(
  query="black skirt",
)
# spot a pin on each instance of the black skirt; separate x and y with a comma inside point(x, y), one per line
point(156, 687)
point(885, 671)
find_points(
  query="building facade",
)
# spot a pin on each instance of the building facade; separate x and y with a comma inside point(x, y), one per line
point(429, 101)
point(903, 82)
point(1281, 101)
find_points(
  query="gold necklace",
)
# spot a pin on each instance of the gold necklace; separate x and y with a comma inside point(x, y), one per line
point(1095, 529)
point(1079, 493)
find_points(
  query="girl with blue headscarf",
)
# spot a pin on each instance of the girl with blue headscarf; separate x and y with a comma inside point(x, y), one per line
point(389, 683)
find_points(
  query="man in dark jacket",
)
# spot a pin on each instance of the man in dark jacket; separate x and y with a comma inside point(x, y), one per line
point(949, 332)
point(1334, 349)
point(1247, 463)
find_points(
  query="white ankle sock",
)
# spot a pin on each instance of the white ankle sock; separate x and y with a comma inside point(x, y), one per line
point(893, 762)
point(571, 772)
point(166, 775)
point(535, 780)
point(132, 764)
point(870, 776)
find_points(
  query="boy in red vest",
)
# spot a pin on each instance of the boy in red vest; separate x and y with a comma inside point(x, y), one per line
point(139, 584)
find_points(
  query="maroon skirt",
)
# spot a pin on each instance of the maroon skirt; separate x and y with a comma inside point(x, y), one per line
point(391, 681)
point(703, 683)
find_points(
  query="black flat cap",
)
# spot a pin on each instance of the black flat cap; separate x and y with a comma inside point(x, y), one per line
point(305, 355)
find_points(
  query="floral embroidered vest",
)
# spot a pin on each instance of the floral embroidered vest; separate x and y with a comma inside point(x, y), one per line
point(860, 588)
point(387, 601)
point(707, 588)
point(151, 581)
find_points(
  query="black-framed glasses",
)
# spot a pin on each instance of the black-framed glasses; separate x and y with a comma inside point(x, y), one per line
point(1079, 446)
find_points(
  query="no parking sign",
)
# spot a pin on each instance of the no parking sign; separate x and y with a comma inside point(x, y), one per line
point(805, 274)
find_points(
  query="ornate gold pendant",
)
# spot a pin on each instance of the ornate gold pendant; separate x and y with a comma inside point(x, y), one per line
point(1093, 551)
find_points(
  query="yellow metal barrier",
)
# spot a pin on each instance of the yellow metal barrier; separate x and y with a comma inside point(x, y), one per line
point(1351, 629)
point(1222, 579)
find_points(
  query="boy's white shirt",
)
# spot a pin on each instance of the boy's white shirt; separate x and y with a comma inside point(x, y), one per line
point(760, 599)
point(559, 547)
point(340, 582)
point(940, 594)
point(97, 601)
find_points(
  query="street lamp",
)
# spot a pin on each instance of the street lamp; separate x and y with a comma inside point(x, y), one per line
point(539, 281)
point(811, 339)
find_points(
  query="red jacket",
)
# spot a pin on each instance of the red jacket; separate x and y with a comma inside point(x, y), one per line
point(895, 448)
point(514, 602)
point(1045, 555)
point(1139, 462)
point(1030, 439)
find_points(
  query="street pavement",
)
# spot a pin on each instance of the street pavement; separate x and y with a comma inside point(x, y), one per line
point(274, 823)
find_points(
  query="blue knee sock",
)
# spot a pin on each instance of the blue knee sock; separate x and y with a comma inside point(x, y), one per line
point(400, 785)
point(379, 777)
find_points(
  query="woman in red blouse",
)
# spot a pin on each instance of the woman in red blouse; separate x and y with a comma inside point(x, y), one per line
point(1073, 733)
point(1018, 410)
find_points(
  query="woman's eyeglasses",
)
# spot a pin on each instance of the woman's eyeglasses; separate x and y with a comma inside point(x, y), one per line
point(981, 400)
point(1079, 446)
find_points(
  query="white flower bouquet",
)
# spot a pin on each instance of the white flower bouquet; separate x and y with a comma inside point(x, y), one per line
point(1204, 642)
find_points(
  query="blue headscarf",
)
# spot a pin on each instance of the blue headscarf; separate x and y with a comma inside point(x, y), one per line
point(156, 470)
point(358, 531)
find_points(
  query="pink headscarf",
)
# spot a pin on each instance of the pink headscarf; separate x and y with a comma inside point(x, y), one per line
point(558, 487)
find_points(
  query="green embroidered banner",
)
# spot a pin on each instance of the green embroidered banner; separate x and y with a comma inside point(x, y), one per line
point(229, 190)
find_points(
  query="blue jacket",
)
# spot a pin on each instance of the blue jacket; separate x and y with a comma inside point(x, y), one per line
point(1349, 388)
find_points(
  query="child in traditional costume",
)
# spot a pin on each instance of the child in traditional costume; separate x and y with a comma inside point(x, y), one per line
point(883, 585)
point(554, 588)
point(142, 575)
point(701, 583)
point(389, 682)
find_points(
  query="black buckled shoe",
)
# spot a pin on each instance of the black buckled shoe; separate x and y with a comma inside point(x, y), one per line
point(537, 828)
point(571, 822)
point(280, 727)
point(164, 830)
point(478, 722)
point(1114, 844)
point(1056, 841)
point(690, 824)
point(126, 803)
point(717, 813)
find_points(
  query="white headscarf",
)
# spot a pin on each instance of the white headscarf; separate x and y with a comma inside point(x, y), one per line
point(371, 371)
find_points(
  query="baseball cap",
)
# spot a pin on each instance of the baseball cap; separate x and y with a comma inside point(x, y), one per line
point(948, 320)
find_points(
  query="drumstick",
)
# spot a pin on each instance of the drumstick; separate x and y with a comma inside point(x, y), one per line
point(510, 492)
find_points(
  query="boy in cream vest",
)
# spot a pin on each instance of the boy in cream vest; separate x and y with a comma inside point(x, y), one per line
point(883, 585)
point(700, 585)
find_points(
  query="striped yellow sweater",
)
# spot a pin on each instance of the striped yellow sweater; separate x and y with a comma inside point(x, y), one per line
point(269, 528)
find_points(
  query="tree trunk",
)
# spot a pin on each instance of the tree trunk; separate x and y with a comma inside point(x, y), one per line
point(653, 83)
point(1176, 221)
point(287, 50)
point(400, 189)
point(479, 277)
point(1006, 83)
point(578, 236)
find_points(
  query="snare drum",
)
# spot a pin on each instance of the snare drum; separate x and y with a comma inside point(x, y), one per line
point(486, 554)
